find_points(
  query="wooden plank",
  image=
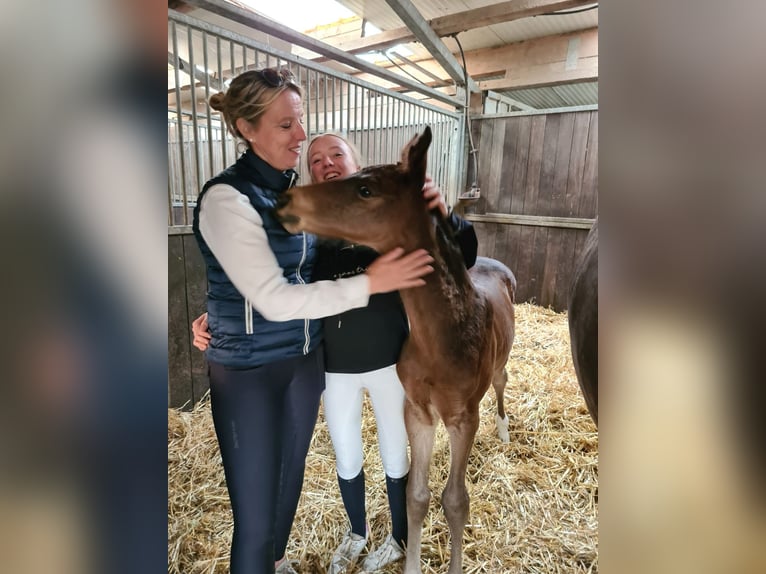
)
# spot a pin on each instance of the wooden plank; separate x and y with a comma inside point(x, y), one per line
point(526, 172)
point(481, 236)
point(501, 249)
point(532, 53)
point(553, 248)
point(484, 155)
point(538, 221)
point(490, 233)
point(566, 266)
point(524, 264)
point(513, 240)
point(537, 265)
point(534, 165)
point(544, 76)
point(577, 164)
point(561, 168)
point(507, 176)
point(589, 201)
point(548, 61)
point(196, 296)
point(179, 367)
point(520, 162)
point(499, 179)
point(496, 165)
point(548, 166)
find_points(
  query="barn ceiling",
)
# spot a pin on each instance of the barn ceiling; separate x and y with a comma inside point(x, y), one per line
point(533, 54)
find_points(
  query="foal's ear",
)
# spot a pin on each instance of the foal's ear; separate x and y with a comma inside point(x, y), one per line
point(414, 154)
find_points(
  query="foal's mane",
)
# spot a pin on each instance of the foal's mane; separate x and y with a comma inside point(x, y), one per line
point(449, 248)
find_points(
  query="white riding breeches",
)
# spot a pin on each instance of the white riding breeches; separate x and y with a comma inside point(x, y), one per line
point(343, 398)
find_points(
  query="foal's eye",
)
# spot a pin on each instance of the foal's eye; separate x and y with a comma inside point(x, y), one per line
point(364, 192)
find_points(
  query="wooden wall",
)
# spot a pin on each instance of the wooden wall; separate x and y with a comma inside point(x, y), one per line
point(187, 370)
point(538, 176)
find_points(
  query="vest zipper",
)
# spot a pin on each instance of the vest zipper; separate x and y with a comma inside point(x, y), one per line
point(306, 335)
point(248, 317)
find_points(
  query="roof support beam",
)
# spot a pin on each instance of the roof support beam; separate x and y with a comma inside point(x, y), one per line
point(197, 74)
point(546, 61)
point(250, 18)
point(407, 12)
point(420, 69)
point(462, 21)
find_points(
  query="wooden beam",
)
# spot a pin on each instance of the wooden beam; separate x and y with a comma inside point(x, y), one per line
point(499, 13)
point(414, 21)
point(462, 21)
point(544, 76)
point(546, 61)
point(198, 75)
point(438, 81)
point(536, 220)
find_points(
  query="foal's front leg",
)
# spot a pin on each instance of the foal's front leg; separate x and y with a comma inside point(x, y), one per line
point(455, 499)
point(421, 427)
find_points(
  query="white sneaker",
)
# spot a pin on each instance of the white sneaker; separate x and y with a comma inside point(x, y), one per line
point(286, 567)
point(346, 554)
point(387, 553)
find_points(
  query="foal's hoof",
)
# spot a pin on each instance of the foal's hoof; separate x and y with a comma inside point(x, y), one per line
point(502, 429)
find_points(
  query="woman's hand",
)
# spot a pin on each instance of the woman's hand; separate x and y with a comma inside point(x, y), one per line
point(394, 270)
point(432, 194)
point(201, 332)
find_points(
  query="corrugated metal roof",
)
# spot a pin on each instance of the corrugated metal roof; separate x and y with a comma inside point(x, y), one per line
point(563, 96)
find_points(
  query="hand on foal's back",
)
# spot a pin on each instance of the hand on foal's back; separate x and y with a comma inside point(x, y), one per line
point(395, 270)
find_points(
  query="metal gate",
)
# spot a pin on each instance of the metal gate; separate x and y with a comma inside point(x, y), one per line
point(378, 122)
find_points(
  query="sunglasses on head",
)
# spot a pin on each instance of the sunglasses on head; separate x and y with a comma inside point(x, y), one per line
point(276, 78)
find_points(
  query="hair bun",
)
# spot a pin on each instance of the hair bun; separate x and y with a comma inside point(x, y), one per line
point(216, 101)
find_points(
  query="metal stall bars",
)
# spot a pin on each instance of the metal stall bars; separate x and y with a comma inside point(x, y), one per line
point(203, 57)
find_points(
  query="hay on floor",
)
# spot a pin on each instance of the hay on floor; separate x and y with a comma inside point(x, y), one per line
point(533, 501)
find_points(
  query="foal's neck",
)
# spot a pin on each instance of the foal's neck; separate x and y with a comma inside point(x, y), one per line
point(446, 300)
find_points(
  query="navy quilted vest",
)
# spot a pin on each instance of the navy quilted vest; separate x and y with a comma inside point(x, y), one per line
point(242, 337)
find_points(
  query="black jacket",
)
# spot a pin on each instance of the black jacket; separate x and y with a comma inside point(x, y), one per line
point(370, 338)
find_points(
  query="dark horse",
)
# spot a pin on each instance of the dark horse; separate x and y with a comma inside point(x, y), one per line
point(583, 321)
point(461, 322)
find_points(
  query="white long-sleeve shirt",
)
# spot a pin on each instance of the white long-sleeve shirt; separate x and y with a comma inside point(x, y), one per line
point(233, 230)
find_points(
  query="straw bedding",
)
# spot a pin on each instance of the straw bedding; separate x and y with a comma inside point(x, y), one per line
point(533, 501)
